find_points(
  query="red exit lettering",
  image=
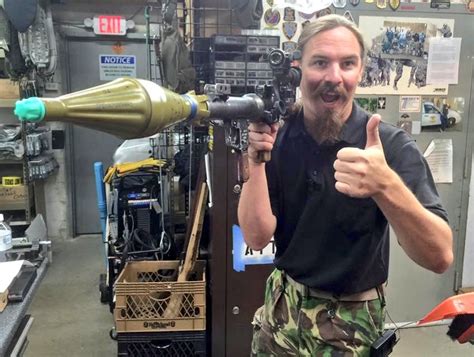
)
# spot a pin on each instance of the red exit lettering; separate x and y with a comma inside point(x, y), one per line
point(110, 25)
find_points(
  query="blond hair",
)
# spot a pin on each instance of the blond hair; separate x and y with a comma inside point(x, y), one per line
point(327, 23)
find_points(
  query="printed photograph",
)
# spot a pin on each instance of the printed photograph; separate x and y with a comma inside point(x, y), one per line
point(398, 54)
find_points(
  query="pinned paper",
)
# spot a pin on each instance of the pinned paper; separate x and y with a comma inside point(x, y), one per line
point(439, 155)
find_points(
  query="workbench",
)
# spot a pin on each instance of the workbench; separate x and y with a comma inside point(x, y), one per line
point(14, 323)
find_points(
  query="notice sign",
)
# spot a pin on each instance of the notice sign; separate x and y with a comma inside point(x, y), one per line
point(114, 66)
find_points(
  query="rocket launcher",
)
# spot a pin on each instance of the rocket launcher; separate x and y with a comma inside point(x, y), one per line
point(133, 108)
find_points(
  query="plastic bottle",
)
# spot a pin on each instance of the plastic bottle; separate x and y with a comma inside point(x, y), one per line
point(5, 235)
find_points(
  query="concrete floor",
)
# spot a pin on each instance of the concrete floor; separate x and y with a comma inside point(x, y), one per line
point(71, 321)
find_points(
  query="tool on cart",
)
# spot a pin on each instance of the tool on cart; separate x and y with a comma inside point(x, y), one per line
point(191, 251)
point(133, 108)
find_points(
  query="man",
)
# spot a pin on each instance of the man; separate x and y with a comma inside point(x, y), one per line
point(335, 181)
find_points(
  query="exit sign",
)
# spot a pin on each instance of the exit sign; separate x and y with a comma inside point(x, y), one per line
point(110, 25)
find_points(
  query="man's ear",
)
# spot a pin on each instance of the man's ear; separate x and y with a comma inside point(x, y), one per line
point(361, 73)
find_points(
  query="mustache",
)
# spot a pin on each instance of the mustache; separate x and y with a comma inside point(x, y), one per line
point(330, 87)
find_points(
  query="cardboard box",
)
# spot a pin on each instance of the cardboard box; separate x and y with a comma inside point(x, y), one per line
point(12, 193)
point(3, 300)
point(9, 89)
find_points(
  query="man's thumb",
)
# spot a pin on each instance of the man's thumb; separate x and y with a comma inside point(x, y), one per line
point(373, 137)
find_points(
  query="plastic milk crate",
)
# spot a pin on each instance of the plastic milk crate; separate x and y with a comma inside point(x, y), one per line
point(158, 344)
point(148, 300)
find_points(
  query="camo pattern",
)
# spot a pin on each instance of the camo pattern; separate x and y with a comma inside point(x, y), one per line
point(291, 324)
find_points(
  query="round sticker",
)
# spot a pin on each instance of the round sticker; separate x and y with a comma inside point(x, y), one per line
point(306, 16)
point(323, 12)
point(272, 17)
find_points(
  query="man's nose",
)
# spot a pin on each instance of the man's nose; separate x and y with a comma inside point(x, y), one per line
point(333, 74)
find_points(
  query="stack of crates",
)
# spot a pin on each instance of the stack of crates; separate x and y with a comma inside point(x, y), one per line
point(157, 316)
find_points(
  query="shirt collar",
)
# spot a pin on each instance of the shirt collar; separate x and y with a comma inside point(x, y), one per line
point(353, 130)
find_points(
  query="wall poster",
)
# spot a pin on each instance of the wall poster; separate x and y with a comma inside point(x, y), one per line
point(398, 54)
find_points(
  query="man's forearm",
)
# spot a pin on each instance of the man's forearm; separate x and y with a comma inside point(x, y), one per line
point(255, 214)
point(425, 237)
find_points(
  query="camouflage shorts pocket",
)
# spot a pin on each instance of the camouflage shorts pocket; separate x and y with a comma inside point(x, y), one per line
point(261, 336)
point(276, 310)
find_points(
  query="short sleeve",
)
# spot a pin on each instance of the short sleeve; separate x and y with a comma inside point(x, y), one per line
point(404, 157)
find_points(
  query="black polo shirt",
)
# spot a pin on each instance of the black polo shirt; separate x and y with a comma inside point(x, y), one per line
point(325, 239)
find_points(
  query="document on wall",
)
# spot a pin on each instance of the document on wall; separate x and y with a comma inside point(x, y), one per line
point(443, 60)
point(439, 155)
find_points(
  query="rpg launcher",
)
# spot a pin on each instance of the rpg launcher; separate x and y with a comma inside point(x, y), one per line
point(133, 108)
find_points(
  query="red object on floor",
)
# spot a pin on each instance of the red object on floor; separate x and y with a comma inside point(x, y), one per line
point(461, 309)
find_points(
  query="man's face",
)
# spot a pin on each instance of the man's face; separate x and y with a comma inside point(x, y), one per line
point(331, 70)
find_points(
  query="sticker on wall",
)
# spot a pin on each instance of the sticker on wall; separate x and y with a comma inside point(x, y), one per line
point(440, 4)
point(242, 255)
point(381, 4)
point(394, 4)
point(354, 2)
point(348, 15)
point(381, 103)
point(442, 114)
point(289, 29)
point(409, 104)
point(368, 104)
point(323, 12)
point(116, 66)
point(405, 123)
point(270, 2)
point(118, 48)
point(272, 17)
point(409, 124)
point(339, 3)
point(306, 16)
point(470, 6)
point(289, 46)
point(289, 14)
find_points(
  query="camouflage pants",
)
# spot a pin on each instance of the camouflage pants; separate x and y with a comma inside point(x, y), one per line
point(291, 324)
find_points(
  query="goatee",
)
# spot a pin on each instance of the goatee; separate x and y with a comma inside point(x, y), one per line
point(325, 127)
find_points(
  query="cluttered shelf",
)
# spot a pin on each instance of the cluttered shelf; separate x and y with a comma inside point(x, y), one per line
point(12, 316)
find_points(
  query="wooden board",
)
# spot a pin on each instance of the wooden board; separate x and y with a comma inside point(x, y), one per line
point(9, 89)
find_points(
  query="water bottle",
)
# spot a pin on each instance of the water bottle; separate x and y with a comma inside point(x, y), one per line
point(5, 235)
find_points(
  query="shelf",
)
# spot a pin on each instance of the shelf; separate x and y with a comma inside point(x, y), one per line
point(11, 162)
point(18, 223)
point(12, 206)
point(8, 103)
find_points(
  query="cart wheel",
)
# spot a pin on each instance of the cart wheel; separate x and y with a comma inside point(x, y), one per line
point(113, 334)
point(104, 289)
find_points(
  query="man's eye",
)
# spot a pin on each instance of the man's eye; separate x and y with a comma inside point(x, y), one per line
point(349, 64)
point(319, 63)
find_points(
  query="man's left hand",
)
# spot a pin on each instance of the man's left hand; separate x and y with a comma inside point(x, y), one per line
point(363, 173)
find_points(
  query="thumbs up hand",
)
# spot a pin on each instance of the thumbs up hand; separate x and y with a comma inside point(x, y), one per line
point(363, 173)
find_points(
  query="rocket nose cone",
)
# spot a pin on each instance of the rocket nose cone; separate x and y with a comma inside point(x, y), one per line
point(30, 109)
